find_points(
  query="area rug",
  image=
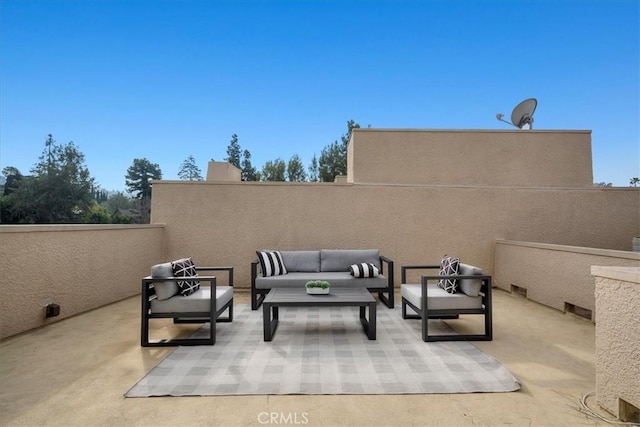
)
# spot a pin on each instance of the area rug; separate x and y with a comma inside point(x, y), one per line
point(324, 351)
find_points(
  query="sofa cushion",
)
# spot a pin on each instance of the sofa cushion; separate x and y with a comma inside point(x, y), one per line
point(363, 269)
point(470, 287)
point(164, 290)
point(271, 263)
point(335, 279)
point(304, 261)
point(449, 266)
point(185, 268)
point(198, 302)
point(342, 259)
point(438, 298)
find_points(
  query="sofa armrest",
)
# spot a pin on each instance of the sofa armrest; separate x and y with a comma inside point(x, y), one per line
point(389, 269)
point(404, 269)
point(229, 271)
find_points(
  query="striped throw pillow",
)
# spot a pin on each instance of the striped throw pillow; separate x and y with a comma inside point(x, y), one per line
point(271, 263)
point(364, 269)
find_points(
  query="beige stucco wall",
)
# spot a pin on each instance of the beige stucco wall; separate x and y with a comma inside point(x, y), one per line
point(79, 267)
point(555, 274)
point(225, 223)
point(223, 171)
point(536, 158)
point(617, 336)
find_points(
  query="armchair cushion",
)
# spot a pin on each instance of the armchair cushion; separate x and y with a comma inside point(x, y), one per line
point(364, 269)
point(449, 266)
point(184, 268)
point(271, 263)
point(164, 290)
point(198, 302)
point(470, 287)
point(439, 299)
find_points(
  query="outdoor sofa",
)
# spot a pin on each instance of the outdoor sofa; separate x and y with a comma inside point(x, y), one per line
point(331, 265)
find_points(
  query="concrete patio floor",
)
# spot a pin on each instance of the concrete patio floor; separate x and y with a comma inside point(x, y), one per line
point(75, 372)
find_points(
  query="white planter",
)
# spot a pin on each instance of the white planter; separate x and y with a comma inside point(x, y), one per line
point(318, 291)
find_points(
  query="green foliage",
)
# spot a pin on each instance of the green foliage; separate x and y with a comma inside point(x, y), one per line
point(314, 173)
point(138, 181)
point(189, 171)
point(96, 214)
point(333, 157)
point(317, 284)
point(273, 170)
point(139, 175)
point(295, 170)
point(248, 172)
point(633, 182)
point(233, 152)
point(59, 190)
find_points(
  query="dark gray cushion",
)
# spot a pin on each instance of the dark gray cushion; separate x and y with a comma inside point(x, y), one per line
point(164, 290)
point(342, 259)
point(469, 287)
point(301, 261)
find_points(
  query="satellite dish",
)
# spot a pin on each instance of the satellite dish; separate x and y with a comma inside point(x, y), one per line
point(522, 115)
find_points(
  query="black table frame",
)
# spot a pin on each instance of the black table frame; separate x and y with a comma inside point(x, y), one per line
point(298, 297)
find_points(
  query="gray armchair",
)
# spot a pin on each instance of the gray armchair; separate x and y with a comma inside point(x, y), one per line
point(428, 301)
point(161, 298)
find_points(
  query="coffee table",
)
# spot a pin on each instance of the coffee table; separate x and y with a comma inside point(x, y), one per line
point(298, 297)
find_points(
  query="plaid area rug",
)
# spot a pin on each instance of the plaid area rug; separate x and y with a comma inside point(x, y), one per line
point(324, 351)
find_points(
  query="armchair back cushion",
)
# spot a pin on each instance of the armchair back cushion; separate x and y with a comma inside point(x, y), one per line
point(342, 259)
point(470, 287)
point(164, 290)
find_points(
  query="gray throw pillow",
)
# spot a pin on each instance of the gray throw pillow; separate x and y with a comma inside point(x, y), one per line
point(164, 290)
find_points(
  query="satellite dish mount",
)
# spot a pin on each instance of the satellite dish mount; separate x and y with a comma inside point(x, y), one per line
point(522, 115)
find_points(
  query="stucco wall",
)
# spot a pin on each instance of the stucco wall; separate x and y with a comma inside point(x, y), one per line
point(79, 267)
point(536, 158)
point(225, 223)
point(617, 336)
point(555, 274)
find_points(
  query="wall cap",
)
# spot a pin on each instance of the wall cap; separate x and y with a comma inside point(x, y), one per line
point(624, 274)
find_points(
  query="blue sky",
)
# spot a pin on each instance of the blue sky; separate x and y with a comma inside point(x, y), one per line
point(165, 80)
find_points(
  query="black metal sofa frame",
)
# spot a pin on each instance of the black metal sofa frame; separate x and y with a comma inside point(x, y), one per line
point(258, 295)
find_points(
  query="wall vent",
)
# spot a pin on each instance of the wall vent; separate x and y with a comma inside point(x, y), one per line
point(519, 291)
point(628, 412)
point(582, 312)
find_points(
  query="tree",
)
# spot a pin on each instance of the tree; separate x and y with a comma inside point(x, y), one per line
point(189, 171)
point(333, 157)
point(633, 182)
point(138, 182)
point(248, 172)
point(295, 170)
point(603, 184)
point(314, 174)
point(59, 190)
point(273, 170)
point(233, 152)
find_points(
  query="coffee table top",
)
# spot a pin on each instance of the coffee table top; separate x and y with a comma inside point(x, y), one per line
point(336, 296)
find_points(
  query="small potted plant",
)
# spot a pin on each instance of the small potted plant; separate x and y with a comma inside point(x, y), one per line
point(317, 287)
